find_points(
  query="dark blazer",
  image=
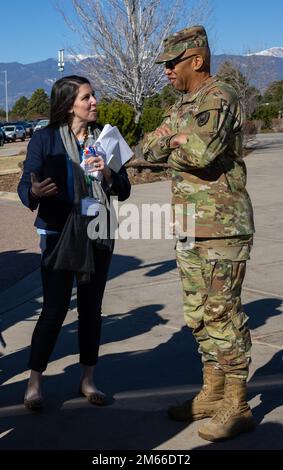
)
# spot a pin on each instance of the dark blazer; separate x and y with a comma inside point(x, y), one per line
point(47, 157)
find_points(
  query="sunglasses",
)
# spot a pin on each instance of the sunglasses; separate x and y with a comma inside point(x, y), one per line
point(171, 64)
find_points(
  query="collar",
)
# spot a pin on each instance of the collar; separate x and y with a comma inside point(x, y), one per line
point(192, 96)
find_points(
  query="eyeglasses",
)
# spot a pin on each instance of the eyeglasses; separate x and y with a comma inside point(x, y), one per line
point(171, 64)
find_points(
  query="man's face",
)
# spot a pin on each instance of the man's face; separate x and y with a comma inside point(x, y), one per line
point(179, 71)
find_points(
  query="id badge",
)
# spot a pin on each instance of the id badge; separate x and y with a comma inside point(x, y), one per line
point(90, 206)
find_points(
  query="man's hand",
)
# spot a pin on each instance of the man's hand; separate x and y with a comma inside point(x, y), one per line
point(44, 189)
point(176, 140)
point(163, 131)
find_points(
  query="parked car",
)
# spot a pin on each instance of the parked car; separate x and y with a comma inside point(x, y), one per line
point(27, 126)
point(13, 132)
point(41, 124)
point(2, 137)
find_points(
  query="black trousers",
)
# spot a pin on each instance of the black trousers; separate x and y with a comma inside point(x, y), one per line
point(57, 291)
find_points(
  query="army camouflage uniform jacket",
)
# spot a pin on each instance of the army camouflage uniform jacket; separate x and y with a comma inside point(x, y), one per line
point(208, 170)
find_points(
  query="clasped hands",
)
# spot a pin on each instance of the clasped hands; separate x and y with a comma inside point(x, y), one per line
point(176, 139)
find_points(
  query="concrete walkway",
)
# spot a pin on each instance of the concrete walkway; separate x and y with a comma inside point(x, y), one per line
point(13, 148)
point(148, 357)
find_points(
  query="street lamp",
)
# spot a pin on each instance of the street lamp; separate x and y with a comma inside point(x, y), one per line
point(61, 63)
point(6, 93)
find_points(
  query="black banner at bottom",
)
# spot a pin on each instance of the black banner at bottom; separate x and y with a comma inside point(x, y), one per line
point(130, 458)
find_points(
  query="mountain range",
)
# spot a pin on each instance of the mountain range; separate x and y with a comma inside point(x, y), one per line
point(23, 79)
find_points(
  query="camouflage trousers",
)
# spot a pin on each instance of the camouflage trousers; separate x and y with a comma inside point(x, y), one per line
point(212, 278)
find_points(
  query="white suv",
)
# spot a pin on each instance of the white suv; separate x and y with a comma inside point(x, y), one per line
point(14, 132)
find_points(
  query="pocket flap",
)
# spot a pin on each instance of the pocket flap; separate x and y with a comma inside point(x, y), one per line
point(239, 320)
point(209, 104)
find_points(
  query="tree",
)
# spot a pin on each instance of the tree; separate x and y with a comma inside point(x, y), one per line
point(151, 118)
point(274, 92)
point(120, 114)
point(271, 106)
point(38, 105)
point(20, 108)
point(273, 97)
point(248, 94)
point(266, 112)
point(2, 114)
point(124, 37)
point(155, 107)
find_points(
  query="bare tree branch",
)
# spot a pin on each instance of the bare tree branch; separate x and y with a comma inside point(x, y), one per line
point(123, 39)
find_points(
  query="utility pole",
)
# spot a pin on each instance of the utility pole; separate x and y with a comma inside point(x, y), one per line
point(6, 93)
point(61, 63)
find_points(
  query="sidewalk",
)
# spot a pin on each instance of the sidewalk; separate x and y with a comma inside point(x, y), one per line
point(13, 148)
point(148, 358)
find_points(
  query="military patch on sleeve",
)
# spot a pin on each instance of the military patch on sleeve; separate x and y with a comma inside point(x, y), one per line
point(203, 118)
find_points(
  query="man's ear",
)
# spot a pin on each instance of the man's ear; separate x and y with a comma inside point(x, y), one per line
point(198, 62)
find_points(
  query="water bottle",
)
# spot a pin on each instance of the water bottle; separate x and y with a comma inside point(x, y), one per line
point(99, 151)
point(89, 151)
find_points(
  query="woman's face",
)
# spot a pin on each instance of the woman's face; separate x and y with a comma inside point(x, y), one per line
point(84, 107)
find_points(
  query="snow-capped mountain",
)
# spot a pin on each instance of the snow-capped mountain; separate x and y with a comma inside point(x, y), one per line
point(24, 79)
point(272, 52)
point(78, 57)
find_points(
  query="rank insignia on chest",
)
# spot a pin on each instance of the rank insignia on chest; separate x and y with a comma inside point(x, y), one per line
point(203, 118)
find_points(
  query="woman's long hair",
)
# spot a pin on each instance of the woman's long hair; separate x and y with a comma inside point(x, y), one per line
point(63, 95)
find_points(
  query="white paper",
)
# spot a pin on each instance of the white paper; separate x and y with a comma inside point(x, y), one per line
point(116, 148)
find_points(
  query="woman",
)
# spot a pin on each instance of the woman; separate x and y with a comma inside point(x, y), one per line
point(54, 182)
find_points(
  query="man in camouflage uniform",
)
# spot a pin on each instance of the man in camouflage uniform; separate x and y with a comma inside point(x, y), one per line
point(201, 138)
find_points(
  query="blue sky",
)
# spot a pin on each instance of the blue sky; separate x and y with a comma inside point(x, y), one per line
point(33, 30)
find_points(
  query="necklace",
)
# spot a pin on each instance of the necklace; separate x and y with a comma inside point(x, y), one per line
point(82, 142)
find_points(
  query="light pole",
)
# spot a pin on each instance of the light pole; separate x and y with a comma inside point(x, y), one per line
point(6, 94)
point(61, 63)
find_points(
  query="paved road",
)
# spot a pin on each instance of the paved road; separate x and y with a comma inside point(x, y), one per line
point(148, 358)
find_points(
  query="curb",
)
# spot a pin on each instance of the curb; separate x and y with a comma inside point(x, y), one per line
point(7, 196)
point(10, 153)
point(10, 172)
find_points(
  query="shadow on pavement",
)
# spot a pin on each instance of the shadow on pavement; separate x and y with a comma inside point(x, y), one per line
point(15, 266)
point(261, 310)
point(134, 421)
point(268, 436)
point(142, 382)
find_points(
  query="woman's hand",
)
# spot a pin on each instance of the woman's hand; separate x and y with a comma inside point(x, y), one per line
point(100, 165)
point(95, 163)
point(44, 188)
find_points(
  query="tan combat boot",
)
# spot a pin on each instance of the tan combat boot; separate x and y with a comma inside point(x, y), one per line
point(234, 416)
point(206, 402)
